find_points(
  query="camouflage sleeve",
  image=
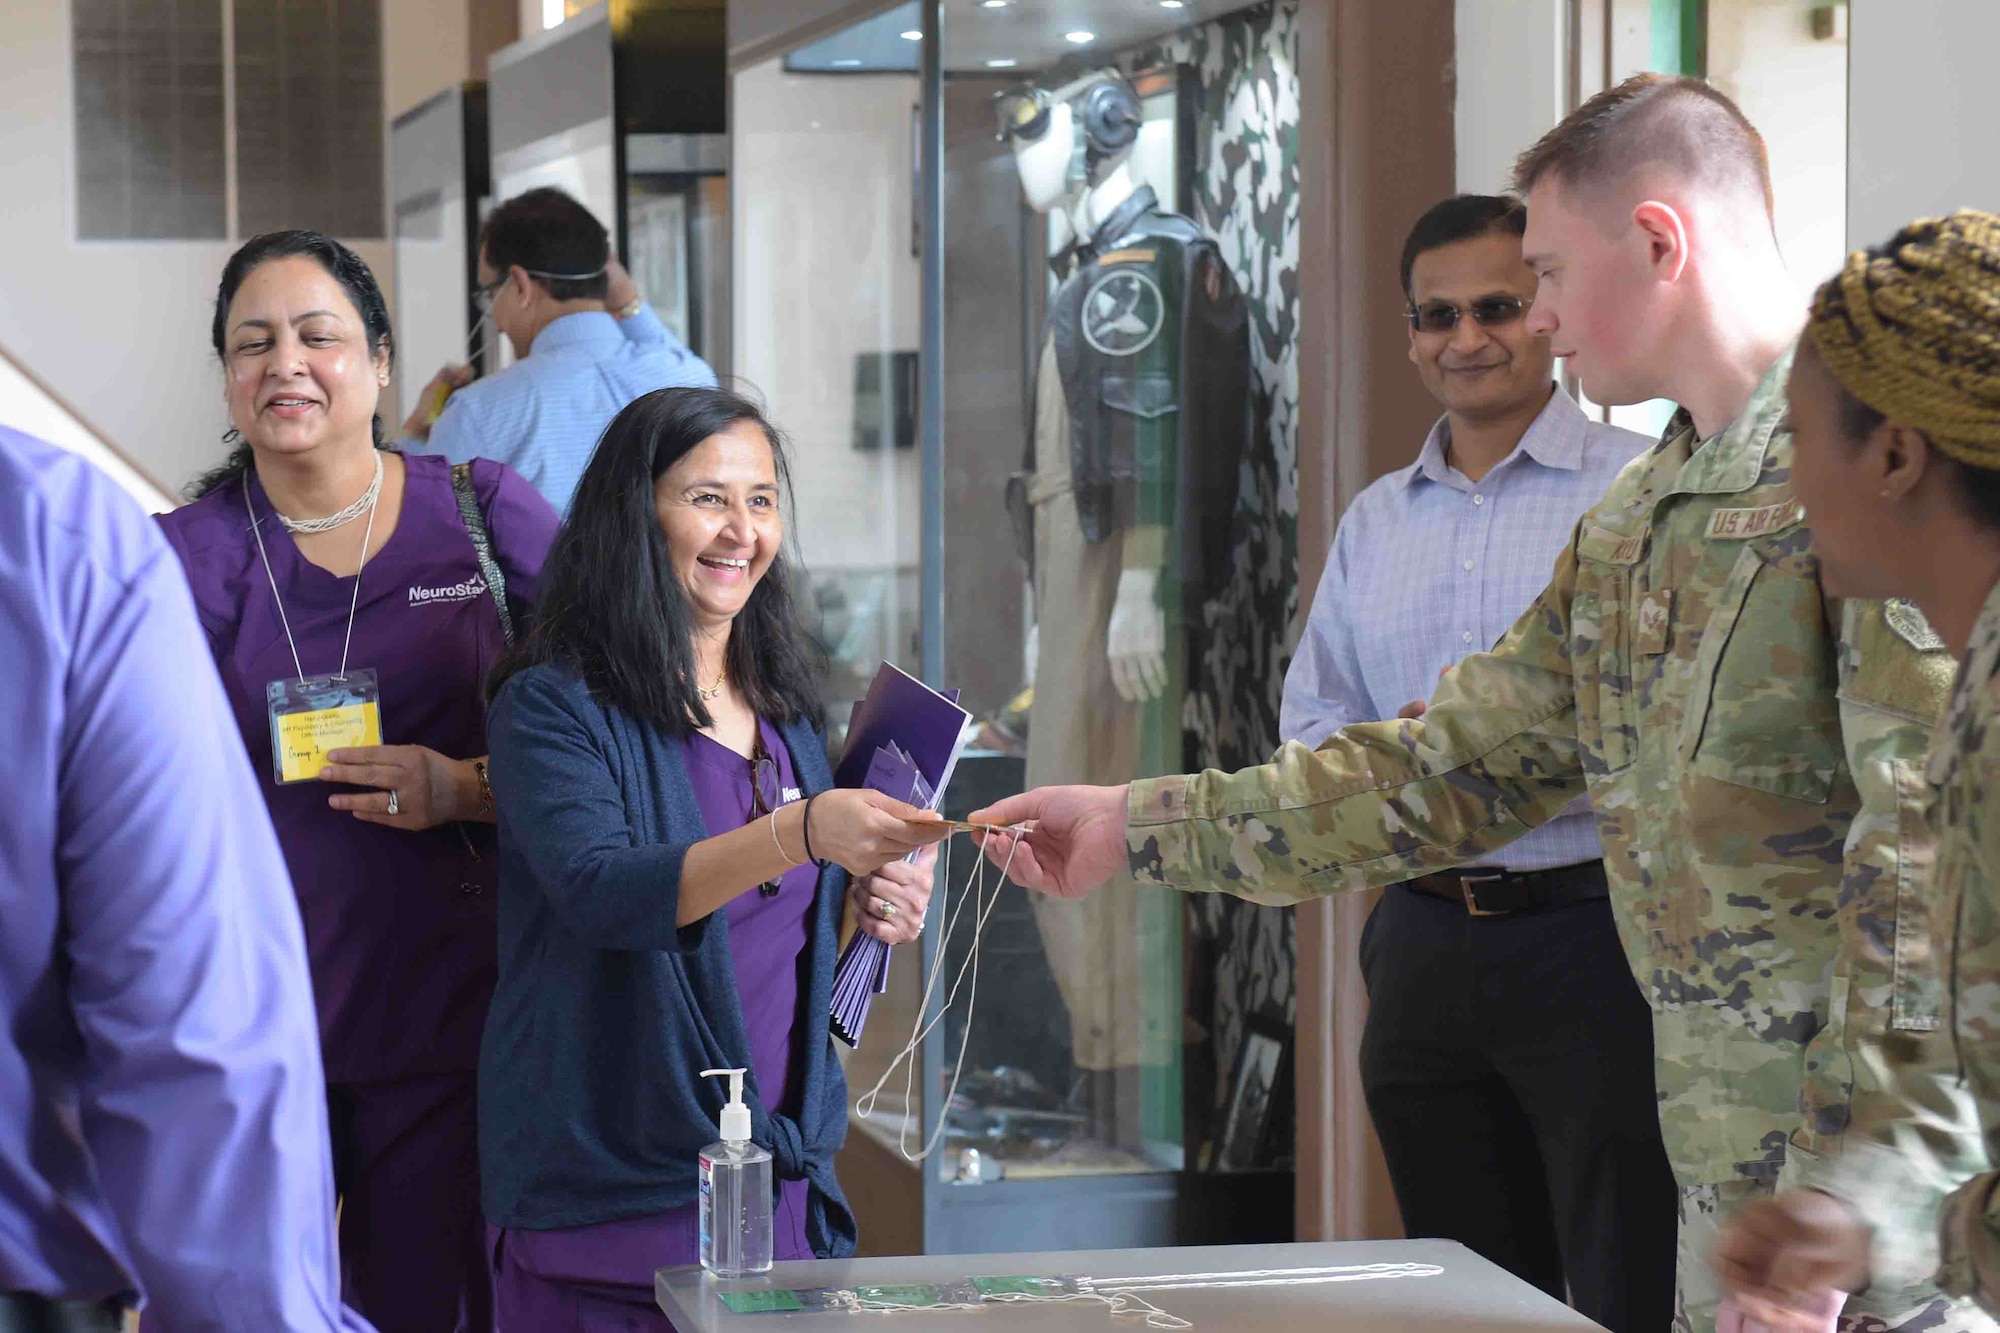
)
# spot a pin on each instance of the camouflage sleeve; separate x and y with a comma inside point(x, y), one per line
point(1878, 1071)
point(1969, 1237)
point(1495, 755)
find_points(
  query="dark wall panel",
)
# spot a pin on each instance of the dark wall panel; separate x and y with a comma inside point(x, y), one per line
point(309, 116)
point(149, 120)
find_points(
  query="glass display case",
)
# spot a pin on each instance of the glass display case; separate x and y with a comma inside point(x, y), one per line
point(1031, 402)
point(438, 183)
point(622, 106)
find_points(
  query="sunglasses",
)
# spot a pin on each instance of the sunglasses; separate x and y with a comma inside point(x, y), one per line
point(765, 797)
point(1488, 311)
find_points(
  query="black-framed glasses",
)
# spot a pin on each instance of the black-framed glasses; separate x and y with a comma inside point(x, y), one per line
point(1488, 311)
point(482, 295)
point(766, 797)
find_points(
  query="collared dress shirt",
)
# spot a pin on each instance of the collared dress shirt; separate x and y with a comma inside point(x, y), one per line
point(1428, 567)
point(162, 1116)
point(542, 416)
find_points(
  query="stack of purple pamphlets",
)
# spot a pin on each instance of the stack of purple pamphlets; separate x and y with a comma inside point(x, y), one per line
point(903, 741)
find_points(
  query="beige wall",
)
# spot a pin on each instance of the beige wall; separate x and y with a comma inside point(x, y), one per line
point(1920, 125)
point(821, 183)
point(1793, 87)
point(1510, 69)
point(118, 328)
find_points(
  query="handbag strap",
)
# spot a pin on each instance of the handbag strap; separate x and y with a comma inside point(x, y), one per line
point(482, 546)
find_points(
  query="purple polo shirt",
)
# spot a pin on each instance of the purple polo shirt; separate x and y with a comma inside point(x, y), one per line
point(767, 941)
point(399, 925)
point(162, 1118)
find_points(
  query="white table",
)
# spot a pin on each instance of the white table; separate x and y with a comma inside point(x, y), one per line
point(1469, 1294)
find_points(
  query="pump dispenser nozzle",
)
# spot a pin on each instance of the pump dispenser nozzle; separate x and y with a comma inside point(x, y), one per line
point(735, 1124)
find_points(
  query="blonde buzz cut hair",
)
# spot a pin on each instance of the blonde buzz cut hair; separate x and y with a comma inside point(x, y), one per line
point(1668, 122)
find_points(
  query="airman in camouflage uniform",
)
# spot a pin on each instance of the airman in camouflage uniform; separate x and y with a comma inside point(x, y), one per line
point(1963, 776)
point(1900, 406)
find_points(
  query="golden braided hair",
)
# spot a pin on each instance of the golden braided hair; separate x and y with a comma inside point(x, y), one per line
point(1912, 330)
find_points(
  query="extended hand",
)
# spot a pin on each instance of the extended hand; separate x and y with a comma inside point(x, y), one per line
point(906, 887)
point(862, 831)
point(1787, 1261)
point(1137, 641)
point(429, 789)
point(431, 400)
point(1076, 842)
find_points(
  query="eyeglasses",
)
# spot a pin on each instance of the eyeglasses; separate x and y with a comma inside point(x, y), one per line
point(482, 296)
point(766, 796)
point(1488, 311)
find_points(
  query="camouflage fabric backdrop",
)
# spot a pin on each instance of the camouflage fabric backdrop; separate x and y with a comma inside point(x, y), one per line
point(1246, 194)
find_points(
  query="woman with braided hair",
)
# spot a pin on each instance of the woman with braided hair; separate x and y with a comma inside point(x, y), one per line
point(1895, 401)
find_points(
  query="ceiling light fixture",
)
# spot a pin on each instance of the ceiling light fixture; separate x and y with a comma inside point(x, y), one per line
point(849, 63)
point(1173, 4)
point(993, 4)
point(1080, 38)
point(913, 36)
point(1001, 64)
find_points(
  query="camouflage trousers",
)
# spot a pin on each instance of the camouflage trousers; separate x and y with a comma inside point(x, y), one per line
point(1705, 1210)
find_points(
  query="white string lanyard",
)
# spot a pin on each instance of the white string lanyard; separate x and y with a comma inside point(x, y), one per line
point(983, 908)
point(367, 536)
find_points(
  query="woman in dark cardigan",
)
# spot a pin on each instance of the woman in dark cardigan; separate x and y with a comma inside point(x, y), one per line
point(674, 866)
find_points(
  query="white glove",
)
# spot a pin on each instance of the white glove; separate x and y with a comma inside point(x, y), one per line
point(1137, 642)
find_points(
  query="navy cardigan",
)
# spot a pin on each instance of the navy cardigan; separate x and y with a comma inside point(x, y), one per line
point(591, 1107)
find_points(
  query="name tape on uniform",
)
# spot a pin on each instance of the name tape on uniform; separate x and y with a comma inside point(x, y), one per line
point(1738, 523)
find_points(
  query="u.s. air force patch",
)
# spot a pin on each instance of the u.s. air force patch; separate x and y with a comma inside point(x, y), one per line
point(1910, 625)
point(1123, 312)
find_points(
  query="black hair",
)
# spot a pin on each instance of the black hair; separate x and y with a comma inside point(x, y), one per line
point(612, 609)
point(1978, 488)
point(545, 231)
point(1462, 217)
point(346, 268)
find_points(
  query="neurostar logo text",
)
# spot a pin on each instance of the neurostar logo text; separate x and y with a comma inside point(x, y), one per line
point(471, 589)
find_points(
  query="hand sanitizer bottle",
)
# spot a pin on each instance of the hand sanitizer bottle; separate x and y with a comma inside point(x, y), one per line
point(735, 1192)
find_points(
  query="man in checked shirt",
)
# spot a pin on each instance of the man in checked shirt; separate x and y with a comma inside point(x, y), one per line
point(1508, 1055)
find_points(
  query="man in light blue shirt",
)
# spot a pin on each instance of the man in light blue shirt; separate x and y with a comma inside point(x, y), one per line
point(586, 344)
point(163, 1133)
point(1508, 1056)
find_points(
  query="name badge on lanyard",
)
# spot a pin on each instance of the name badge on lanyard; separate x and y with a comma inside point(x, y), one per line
point(310, 717)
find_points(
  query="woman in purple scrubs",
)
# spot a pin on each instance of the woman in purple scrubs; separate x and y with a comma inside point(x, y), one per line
point(674, 867)
point(314, 553)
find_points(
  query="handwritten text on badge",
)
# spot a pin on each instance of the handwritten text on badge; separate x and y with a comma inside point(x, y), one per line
point(305, 738)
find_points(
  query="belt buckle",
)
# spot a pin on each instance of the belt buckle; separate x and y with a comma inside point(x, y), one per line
point(1472, 907)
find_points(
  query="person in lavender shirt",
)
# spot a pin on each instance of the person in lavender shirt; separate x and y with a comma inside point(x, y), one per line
point(673, 873)
point(313, 552)
point(162, 1136)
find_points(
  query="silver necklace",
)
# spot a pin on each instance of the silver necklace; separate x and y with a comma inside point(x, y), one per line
point(363, 504)
point(354, 602)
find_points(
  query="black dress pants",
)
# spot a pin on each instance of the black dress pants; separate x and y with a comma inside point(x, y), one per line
point(1508, 1066)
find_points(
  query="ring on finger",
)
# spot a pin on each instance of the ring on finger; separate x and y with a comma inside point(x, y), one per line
point(885, 909)
point(395, 802)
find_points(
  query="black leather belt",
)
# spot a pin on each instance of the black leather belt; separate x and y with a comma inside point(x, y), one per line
point(1484, 892)
point(25, 1313)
